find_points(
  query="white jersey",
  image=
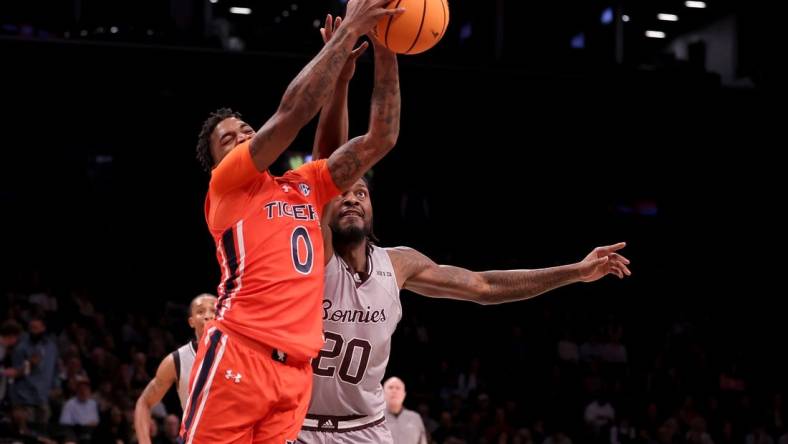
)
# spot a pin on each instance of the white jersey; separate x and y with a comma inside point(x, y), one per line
point(358, 324)
point(184, 360)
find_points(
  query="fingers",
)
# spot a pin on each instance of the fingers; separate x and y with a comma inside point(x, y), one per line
point(621, 262)
point(599, 261)
point(619, 258)
point(360, 50)
point(611, 248)
point(328, 28)
point(393, 12)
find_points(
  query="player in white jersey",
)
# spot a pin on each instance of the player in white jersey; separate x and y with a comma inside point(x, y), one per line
point(175, 368)
point(361, 306)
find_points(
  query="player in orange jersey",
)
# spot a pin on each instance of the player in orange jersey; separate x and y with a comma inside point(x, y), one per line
point(251, 381)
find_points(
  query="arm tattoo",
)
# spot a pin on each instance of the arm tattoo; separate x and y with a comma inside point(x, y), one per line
point(315, 83)
point(384, 120)
point(346, 165)
point(515, 285)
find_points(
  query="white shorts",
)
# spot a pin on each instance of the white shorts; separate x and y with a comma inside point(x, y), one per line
point(376, 434)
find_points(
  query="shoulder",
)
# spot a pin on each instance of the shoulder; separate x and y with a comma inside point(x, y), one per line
point(411, 414)
point(406, 259)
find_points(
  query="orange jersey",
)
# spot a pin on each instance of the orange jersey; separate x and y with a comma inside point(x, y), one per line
point(270, 250)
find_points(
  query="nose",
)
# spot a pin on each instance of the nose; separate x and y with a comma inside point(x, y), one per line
point(350, 199)
point(242, 137)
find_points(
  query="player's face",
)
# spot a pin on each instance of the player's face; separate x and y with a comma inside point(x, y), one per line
point(227, 135)
point(351, 213)
point(203, 310)
point(394, 392)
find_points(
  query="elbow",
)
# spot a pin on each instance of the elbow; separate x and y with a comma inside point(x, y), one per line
point(485, 295)
point(484, 299)
point(383, 141)
point(142, 406)
point(390, 140)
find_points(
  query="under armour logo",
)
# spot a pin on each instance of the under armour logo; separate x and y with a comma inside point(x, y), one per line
point(279, 356)
point(286, 188)
point(229, 375)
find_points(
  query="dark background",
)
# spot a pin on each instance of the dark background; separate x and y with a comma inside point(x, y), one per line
point(516, 151)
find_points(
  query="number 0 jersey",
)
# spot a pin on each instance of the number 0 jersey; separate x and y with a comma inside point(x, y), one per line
point(270, 251)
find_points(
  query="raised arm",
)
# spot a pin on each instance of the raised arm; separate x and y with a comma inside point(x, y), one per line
point(332, 126)
point(311, 88)
point(349, 163)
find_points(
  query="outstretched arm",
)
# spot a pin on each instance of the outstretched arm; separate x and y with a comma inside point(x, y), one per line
point(418, 273)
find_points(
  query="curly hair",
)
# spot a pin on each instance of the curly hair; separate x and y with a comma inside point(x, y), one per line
point(204, 139)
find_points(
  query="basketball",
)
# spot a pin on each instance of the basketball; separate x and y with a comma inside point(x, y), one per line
point(421, 26)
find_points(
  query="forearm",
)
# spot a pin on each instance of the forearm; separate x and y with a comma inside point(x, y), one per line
point(311, 88)
point(142, 418)
point(355, 157)
point(516, 285)
point(332, 128)
point(385, 109)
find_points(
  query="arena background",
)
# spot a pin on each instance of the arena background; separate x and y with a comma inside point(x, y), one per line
point(533, 132)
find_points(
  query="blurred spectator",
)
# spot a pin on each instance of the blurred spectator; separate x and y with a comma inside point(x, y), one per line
point(697, 433)
point(113, 427)
point(172, 426)
point(81, 409)
point(33, 370)
point(758, 435)
point(599, 416)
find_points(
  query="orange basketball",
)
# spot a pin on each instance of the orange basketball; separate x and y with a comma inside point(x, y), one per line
point(418, 29)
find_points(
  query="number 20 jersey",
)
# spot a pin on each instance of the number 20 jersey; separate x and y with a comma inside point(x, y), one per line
point(358, 323)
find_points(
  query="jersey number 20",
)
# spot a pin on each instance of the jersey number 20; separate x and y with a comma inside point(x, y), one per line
point(349, 351)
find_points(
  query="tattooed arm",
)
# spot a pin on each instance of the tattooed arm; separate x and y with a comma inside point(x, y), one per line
point(312, 87)
point(332, 127)
point(418, 273)
point(153, 394)
point(348, 163)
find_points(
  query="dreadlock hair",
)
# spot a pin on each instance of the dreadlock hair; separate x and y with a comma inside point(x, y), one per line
point(371, 238)
point(204, 139)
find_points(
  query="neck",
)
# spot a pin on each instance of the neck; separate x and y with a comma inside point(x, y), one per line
point(355, 255)
point(396, 409)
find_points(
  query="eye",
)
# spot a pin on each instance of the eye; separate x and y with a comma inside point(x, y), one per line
point(361, 194)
